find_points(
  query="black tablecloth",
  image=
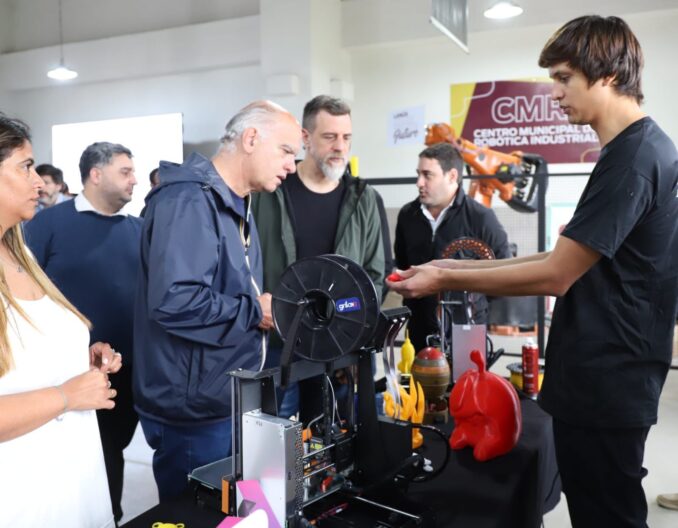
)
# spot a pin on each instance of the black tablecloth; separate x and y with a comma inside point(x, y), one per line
point(511, 491)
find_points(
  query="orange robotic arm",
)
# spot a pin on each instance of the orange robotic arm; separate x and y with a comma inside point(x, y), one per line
point(511, 169)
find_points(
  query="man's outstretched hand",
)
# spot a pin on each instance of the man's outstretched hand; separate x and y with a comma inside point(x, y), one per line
point(417, 281)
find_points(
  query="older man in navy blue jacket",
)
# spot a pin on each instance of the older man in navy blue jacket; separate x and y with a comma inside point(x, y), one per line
point(200, 312)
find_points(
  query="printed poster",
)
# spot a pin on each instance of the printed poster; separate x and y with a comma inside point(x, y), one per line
point(521, 116)
point(407, 127)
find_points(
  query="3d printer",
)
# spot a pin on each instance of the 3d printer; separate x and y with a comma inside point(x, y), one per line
point(326, 309)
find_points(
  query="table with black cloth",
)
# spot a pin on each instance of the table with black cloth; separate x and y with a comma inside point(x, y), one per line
point(511, 491)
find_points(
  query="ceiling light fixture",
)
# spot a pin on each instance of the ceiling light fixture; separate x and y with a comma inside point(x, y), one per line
point(61, 72)
point(503, 10)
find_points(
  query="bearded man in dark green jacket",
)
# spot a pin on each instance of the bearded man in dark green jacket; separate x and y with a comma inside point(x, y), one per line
point(347, 220)
point(320, 208)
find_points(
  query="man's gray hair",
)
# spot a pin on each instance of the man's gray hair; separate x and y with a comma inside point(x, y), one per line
point(258, 114)
point(332, 105)
point(100, 154)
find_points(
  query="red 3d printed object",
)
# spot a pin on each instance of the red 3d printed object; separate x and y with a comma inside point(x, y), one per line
point(486, 412)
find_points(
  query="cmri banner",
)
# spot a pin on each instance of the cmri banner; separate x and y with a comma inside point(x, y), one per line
point(521, 116)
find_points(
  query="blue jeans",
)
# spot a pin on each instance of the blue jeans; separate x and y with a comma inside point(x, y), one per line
point(179, 450)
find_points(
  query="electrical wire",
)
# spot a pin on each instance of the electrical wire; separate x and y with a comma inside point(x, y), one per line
point(388, 349)
point(351, 397)
point(334, 400)
point(430, 476)
point(314, 421)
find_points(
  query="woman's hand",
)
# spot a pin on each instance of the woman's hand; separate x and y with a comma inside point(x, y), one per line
point(104, 358)
point(89, 390)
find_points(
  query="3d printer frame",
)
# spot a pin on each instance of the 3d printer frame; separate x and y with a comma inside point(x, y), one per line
point(359, 452)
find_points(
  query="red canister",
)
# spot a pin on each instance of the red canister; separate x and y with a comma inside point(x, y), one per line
point(530, 368)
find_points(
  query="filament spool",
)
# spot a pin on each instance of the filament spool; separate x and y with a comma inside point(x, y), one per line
point(341, 311)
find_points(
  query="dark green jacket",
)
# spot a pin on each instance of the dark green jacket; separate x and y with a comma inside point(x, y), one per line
point(358, 231)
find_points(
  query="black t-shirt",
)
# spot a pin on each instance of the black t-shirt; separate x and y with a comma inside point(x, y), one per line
point(609, 347)
point(314, 215)
point(238, 203)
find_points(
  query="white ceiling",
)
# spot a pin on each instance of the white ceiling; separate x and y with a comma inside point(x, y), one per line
point(30, 24)
point(374, 22)
point(537, 12)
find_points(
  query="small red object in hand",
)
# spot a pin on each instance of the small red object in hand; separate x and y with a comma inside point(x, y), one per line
point(394, 277)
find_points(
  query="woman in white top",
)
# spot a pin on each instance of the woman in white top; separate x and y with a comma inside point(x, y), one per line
point(52, 471)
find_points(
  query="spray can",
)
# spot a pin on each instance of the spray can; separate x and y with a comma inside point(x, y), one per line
point(530, 368)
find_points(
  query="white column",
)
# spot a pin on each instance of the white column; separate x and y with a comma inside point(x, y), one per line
point(301, 53)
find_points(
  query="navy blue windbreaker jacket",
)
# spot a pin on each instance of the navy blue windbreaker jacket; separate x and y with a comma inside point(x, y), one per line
point(196, 312)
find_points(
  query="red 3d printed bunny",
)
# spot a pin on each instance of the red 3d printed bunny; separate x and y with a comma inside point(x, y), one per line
point(486, 412)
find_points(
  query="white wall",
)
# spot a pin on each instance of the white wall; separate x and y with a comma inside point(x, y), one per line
point(659, 38)
point(328, 59)
point(4, 39)
point(395, 76)
point(5, 102)
point(207, 100)
point(5, 15)
point(301, 39)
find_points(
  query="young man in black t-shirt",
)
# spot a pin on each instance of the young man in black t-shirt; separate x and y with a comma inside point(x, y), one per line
point(615, 271)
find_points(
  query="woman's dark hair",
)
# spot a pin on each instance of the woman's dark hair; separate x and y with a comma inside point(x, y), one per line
point(13, 134)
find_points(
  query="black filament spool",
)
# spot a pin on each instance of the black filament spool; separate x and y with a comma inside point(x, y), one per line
point(342, 311)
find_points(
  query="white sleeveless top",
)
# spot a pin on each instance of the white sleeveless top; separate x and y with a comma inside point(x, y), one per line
point(54, 475)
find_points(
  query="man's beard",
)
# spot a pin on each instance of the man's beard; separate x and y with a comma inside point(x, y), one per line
point(332, 172)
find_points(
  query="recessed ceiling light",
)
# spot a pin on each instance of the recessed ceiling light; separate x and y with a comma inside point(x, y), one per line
point(503, 10)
